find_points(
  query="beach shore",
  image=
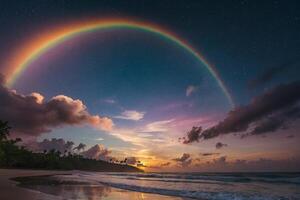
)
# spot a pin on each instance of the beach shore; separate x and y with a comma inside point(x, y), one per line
point(10, 191)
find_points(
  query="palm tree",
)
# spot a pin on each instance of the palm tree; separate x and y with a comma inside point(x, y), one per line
point(4, 130)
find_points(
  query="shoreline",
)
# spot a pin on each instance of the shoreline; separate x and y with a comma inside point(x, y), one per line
point(11, 191)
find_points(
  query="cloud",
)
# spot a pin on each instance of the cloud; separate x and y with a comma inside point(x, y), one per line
point(271, 73)
point(226, 164)
point(185, 160)
point(57, 144)
point(290, 136)
point(157, 126)
point(32, 115)
point(165, 164)
point(98, 152)
point(220, 161)
point(109, 101)
point(220, 145)
point(139, 164)
point(275, 122)
point(80, 147)
point(131, 115)
point(209, 154)
point(193, 135)
point(190, 90)
point(281, 103)
point(222, 164)
point(131, 160)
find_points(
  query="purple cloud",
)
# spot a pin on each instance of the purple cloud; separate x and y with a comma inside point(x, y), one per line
point(32, 115)
point(280, 103)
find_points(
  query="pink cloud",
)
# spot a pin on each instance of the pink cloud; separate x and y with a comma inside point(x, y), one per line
point(31, 115)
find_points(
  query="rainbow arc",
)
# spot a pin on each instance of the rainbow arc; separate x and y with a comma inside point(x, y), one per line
point(39, 46)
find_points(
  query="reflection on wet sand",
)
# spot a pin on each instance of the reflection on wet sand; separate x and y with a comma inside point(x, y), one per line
point(88, 192)
point(96, 192)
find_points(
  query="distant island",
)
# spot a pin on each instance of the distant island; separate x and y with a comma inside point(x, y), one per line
point(15, 156)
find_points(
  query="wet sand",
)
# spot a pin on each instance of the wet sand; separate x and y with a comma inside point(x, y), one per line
point(10, 191)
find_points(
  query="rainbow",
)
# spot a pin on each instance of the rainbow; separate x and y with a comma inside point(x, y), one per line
point(40, 45)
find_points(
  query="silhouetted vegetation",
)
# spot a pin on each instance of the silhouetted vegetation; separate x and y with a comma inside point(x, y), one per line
point(15, 156)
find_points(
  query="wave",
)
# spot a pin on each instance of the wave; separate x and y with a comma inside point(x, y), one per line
point(192, 188)
point(224, 178)
point(192, 194)
point(179, 181)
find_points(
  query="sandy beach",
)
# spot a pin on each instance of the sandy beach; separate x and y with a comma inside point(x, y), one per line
point(10, 191)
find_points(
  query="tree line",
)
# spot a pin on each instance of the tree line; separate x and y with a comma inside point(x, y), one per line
point(13, 155)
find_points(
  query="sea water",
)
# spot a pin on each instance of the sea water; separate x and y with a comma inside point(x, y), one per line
point(207, 186)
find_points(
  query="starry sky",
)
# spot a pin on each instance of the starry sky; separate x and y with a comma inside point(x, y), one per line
point(151, 90)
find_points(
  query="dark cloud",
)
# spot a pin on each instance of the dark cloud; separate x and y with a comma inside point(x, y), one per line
point(57, 144)
point(185, 160)
point(80, 147)
point(270, 124)
point(262, 164)
point(216, 163)
point(97, 152)
point(279, 120)
point(280, 103)
point(192, 135)
point(224, 164)
point(32, 115)
point(290, 136)
point(209, 154)
point(165, 164)
point(271, 73)
point(220, 145)
point(221, 160)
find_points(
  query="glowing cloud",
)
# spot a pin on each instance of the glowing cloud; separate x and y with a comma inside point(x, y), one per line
point(32, 115)
point(131, 115)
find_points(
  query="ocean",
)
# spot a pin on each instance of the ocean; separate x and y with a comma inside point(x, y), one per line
point(204, 186)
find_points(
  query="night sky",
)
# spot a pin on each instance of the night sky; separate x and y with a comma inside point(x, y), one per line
point(152, 91)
